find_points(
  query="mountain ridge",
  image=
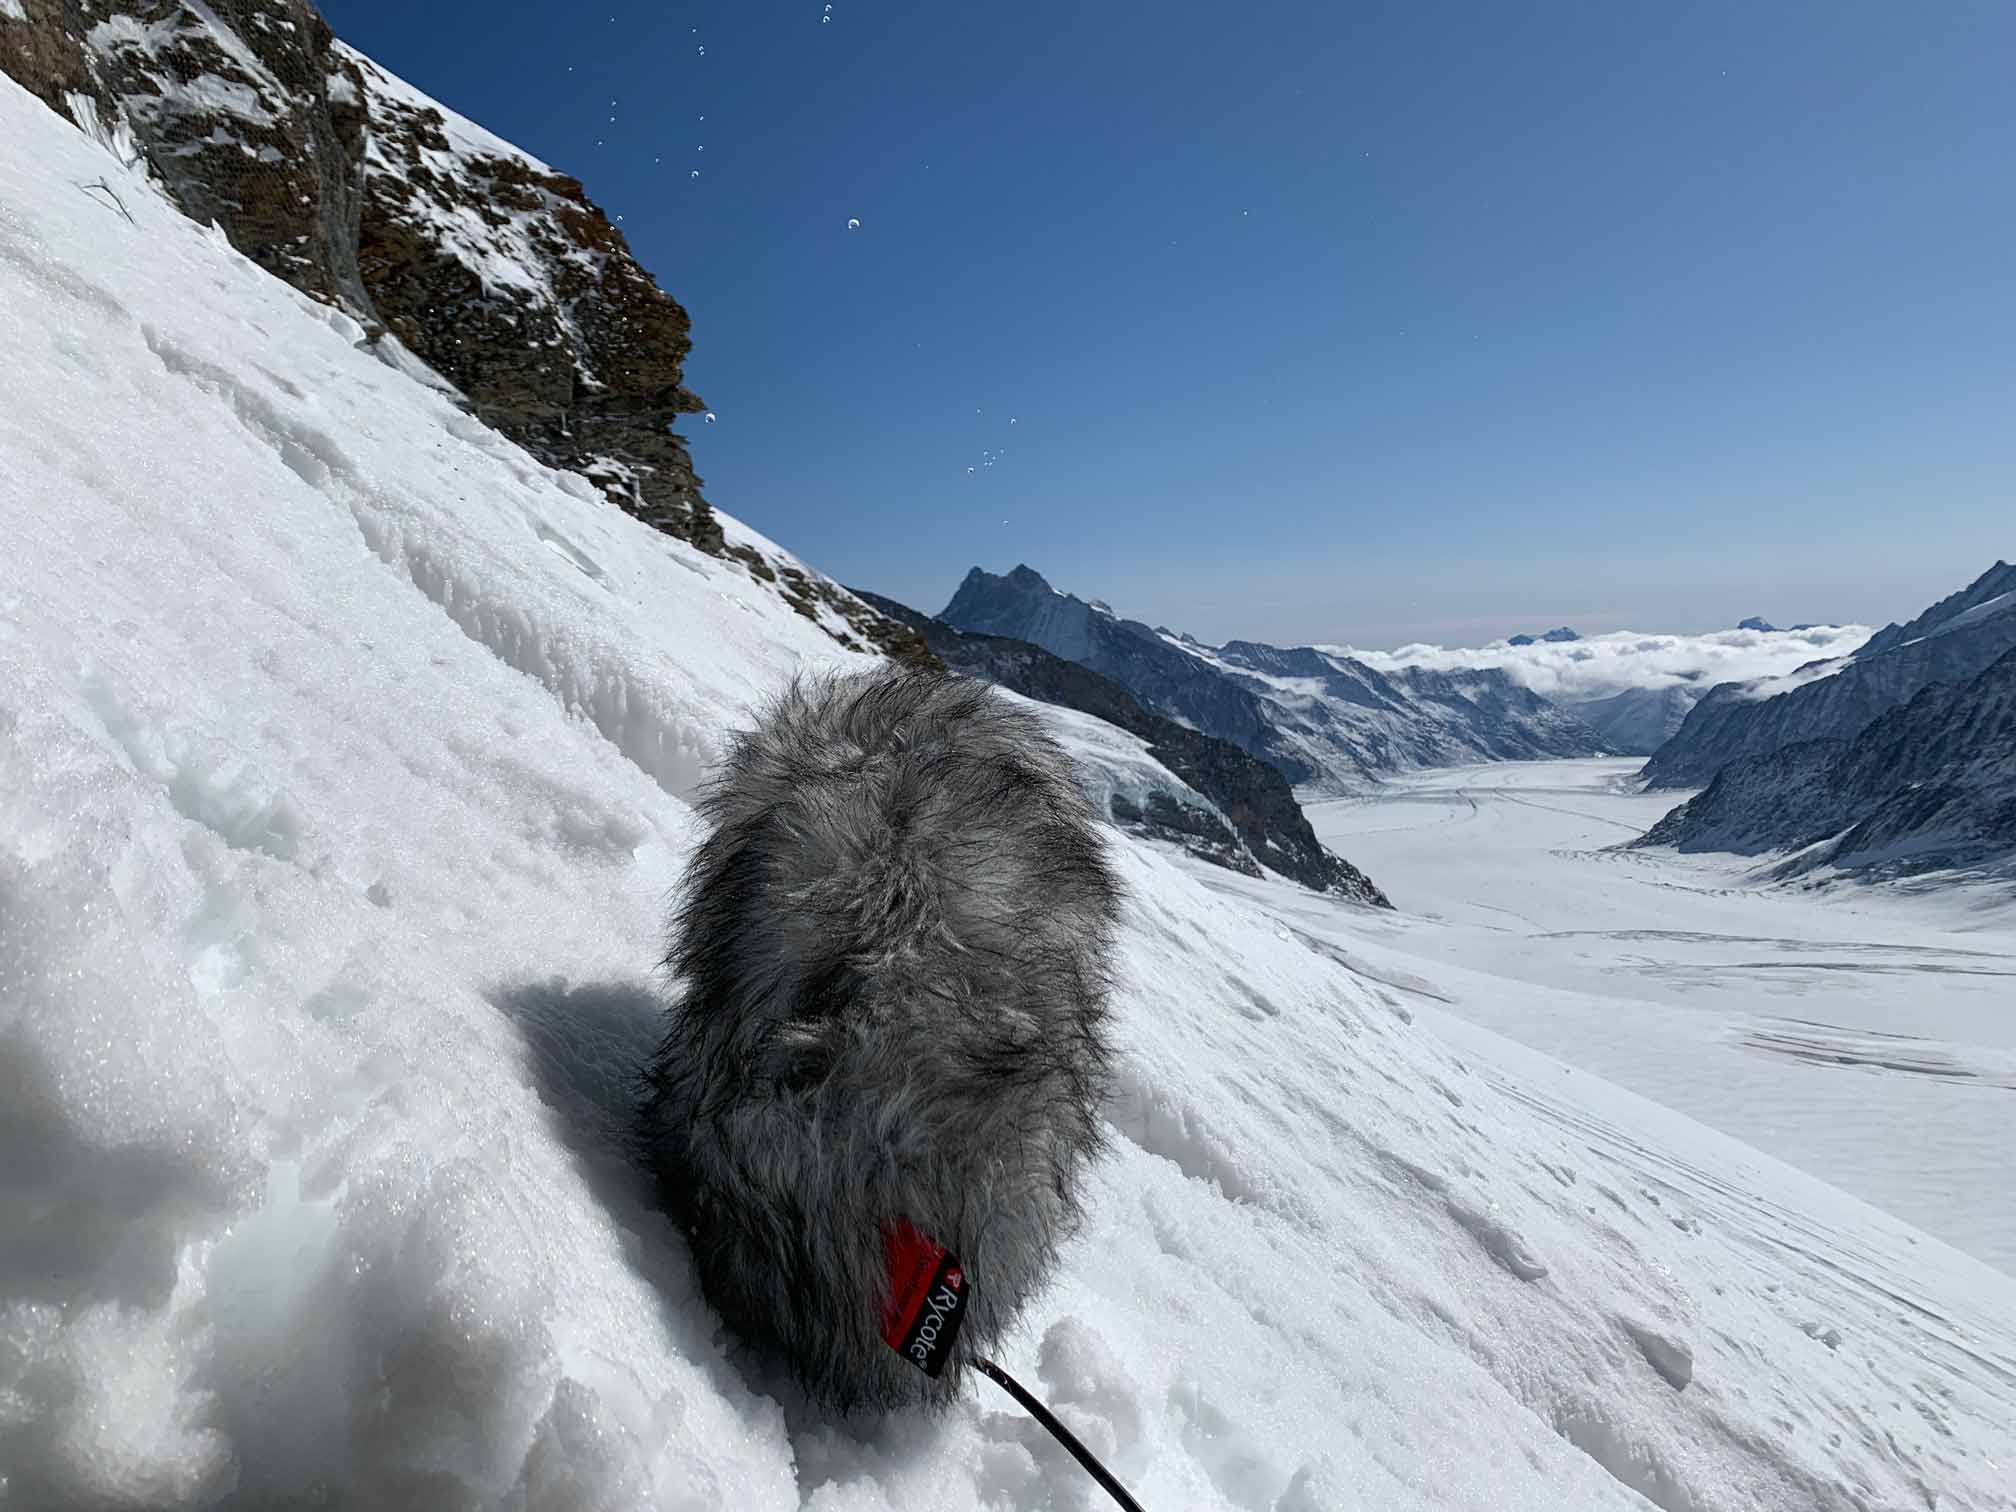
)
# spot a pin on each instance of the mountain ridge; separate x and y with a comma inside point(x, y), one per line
point(1928, 784)
point(1953, 641)
point(1252, 795)
point(1326, 721)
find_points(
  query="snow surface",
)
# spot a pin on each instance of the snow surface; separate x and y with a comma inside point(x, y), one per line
point(1599, 665)
point(1112, 763)
point(1867, 1035)
point(344, 754)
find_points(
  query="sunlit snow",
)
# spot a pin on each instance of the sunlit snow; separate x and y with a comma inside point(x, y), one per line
point(344, 763)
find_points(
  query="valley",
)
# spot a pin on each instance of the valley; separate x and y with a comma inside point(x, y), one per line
point(1864, 1034)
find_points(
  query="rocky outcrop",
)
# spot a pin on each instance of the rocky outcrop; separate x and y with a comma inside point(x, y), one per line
point(1252, 795)
point(1324, 720)
point(508, 281)
point(244, 111)
point(498, 273)
point(1758, 804)
point(1931, 784)
point(1952, 642)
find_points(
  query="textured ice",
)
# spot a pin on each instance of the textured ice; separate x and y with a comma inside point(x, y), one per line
point(343, 757)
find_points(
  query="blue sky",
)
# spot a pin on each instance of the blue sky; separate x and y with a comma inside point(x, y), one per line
point(1318, 321)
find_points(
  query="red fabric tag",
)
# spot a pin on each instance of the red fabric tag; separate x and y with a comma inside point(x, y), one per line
point(912, 1261)
point(927, 1297)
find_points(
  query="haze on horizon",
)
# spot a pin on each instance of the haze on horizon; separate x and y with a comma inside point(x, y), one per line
point(1360, 324)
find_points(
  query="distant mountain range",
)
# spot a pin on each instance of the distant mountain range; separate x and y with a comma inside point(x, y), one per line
point(1557, 635)
point(1952, 642)
point(1929, 784)
point(1249, 813)
point(1326, 721)
point(1637, 721)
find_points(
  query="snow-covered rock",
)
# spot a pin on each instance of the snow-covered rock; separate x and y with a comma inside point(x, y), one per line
point(1930, 785)
point(1224, 804)
point(1953, 641)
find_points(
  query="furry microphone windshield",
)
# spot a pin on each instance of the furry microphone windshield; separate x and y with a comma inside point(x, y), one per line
point(894, 949)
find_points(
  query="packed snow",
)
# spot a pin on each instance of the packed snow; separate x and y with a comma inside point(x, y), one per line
point(1598, 666)
point(344, 764)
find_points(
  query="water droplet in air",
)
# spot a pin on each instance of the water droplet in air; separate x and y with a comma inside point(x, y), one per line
point(853, 224)
point(710, 417)
point(703, 52)
point(969, 472)
point(696, 173)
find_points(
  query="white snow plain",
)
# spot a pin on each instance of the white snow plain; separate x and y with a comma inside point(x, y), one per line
point(344, 757)
point(1865, 1034)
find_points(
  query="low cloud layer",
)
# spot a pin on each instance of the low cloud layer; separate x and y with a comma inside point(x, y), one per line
point(1606, 664)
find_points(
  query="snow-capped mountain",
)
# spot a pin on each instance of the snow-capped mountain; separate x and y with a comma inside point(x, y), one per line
point(465, 260)
point(1929, 785)
point(345, 757)
point(1328, 722)
point(1952, 642)
point(1637, 721)
point(1227, 806)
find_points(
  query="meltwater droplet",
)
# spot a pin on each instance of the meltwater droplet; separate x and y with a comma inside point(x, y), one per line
point(853, 224)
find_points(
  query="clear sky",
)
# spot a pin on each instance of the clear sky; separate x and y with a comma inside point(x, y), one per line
point(1316, 321)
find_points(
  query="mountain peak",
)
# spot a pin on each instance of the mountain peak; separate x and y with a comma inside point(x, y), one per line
point(1025, 576)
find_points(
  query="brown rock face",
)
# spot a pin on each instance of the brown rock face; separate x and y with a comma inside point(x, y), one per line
point(251, 122)
point(514, 286)
point(496, 271)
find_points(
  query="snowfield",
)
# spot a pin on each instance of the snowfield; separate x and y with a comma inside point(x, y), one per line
point(344, 758)
point(1864, 1034)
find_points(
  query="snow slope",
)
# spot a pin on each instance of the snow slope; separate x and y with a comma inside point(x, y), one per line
point(343, 763)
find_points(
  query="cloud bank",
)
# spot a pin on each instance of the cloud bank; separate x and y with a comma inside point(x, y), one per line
point(1606, 664)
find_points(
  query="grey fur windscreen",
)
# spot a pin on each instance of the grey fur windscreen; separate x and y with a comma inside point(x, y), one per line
point(894, 949)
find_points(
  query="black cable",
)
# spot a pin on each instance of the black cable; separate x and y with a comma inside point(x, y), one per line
point(1060, 1433)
